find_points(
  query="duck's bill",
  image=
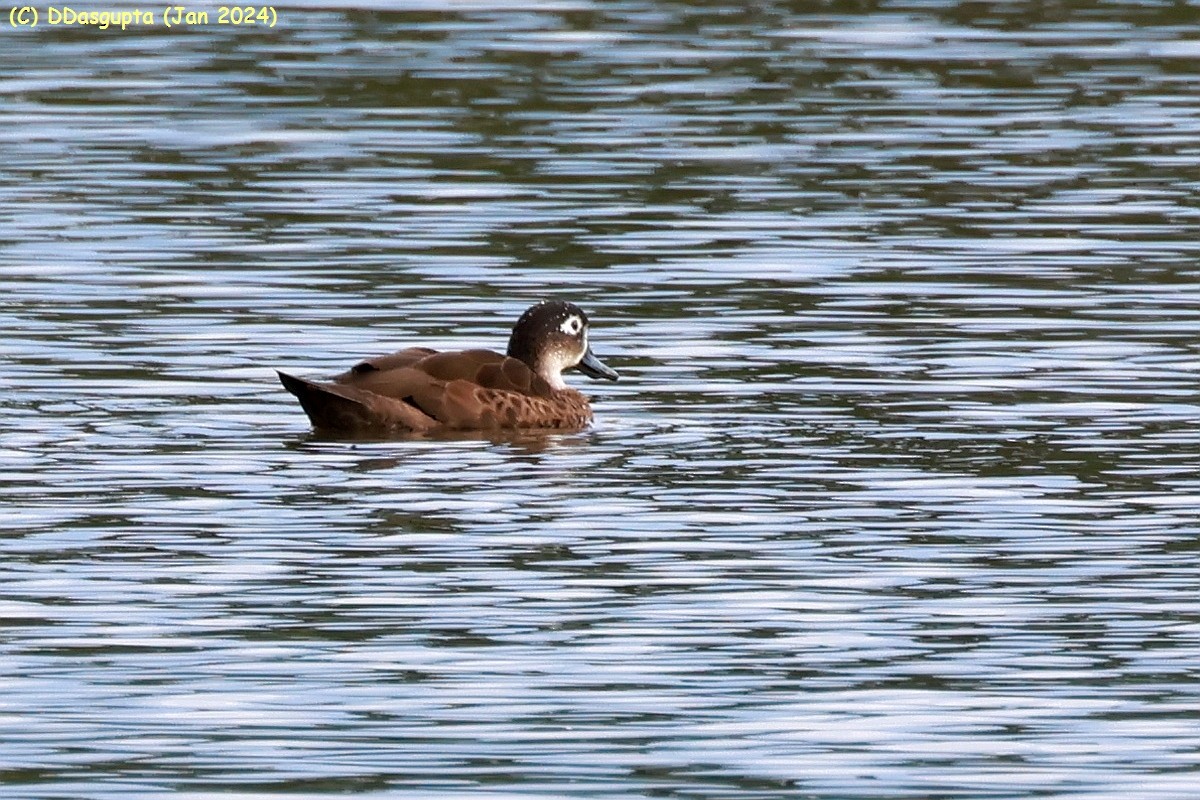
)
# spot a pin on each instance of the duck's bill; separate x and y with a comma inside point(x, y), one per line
point(594, 367)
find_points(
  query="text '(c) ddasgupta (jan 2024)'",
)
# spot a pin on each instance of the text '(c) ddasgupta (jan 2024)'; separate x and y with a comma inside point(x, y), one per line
point(122, 19)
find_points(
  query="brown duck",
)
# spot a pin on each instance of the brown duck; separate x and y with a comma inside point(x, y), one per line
point(420, 389)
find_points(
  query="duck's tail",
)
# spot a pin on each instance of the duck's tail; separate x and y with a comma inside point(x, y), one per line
point(333, 408)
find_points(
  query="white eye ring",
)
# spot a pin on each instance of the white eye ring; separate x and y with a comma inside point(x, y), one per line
point(571, 326)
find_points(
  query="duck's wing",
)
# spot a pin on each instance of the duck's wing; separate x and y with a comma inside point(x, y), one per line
point(403, 374)
point(397, 360)
point(486, 369)
point(476, 389)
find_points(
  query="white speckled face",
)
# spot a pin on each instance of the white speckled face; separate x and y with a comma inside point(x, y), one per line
point(551, 337)
point(572, 325)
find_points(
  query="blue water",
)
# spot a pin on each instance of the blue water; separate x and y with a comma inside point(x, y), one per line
point(898, 496)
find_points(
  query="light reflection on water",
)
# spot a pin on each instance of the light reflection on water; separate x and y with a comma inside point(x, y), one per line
point(897, 496)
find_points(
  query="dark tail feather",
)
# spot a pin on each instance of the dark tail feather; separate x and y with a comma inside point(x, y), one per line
point(341, 409)
point(328, 408)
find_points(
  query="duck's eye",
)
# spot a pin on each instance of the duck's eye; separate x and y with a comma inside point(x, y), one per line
point(571, 326)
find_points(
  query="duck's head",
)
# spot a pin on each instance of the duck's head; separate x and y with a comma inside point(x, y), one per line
point(553, 336)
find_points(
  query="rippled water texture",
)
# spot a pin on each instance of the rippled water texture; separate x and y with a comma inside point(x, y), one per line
point(898, 495)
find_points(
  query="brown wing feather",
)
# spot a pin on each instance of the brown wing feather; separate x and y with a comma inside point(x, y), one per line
point(402, 358)
point(399, 384)
point(463, 365)
point(394, 376)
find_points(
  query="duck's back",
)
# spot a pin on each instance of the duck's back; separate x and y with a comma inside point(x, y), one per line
point(398, 374)
point(469, 389)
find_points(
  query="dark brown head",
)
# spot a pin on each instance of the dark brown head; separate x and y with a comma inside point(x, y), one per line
point(553, 336)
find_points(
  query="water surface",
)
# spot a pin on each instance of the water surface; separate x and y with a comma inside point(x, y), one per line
point(898, 495)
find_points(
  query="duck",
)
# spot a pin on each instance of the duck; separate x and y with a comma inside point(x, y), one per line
point(421, 390)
